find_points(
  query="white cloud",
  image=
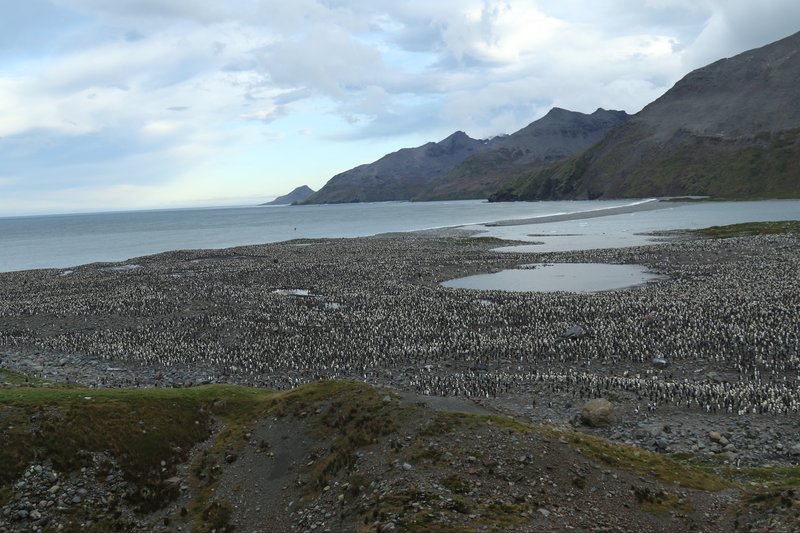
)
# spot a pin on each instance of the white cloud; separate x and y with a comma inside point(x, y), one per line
point(175, 85)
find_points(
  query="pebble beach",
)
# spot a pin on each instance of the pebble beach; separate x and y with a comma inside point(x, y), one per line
point(714, 344)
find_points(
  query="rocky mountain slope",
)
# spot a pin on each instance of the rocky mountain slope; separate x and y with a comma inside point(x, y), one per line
point(400, 175)
point(554, 137)
point(729, 129)
point(298, 195)
point(460, 167)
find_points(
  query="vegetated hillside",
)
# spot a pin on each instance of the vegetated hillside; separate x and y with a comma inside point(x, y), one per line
point(340, 456)
point(400, 175)
point(557, 135)
point(298, 195)
point(730, 129)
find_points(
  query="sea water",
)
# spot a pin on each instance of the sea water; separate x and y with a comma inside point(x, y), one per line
point(61, 241)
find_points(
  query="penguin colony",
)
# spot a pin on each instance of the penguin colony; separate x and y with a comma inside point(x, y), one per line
point(726, 319)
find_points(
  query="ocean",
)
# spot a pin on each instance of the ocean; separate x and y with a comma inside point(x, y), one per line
point(62, 241)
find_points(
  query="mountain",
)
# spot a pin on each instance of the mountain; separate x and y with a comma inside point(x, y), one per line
point(297, 196)
point(554, 137)
point(400, 175)
point(729, 129)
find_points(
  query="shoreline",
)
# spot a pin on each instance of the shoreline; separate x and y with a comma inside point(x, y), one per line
point(650, 205)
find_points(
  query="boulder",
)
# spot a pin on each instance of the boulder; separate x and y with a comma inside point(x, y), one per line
point(660, 362)
point(598, 412)
point(573, 332)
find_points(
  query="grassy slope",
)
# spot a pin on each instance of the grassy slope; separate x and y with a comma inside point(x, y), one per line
point(750, 228)
point(764, 167)
point(142, 427)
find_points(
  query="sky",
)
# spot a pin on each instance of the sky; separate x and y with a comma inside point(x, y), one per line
point(138, 104)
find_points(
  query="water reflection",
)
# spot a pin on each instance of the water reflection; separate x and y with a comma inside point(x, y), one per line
point(551, 277)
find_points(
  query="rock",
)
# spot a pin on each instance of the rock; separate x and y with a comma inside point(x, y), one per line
point(406, 466)
point(660, 362)
point(598, 412)
point(723, 441)
point(795, 450)
point(662, 443)
point(544, 512)
point(573, 332)
point(714, 436)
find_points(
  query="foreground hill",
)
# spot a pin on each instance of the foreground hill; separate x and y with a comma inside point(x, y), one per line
point(400, 175)
point(298, 195)
point(335, 456)
point(554, 137)
point(730, 129)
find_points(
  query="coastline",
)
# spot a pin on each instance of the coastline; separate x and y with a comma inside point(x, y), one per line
point(375, 313)
point(651, 205)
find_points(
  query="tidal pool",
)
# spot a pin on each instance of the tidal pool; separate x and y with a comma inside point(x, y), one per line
point(552, 277)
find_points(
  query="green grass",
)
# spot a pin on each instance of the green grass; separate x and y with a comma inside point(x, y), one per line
point(473, 241)
point(447, 422)
point(750, 228)
point(639, 462)
point(764, 477)
point(140, 428)
point(16, 378)
point(352, 413)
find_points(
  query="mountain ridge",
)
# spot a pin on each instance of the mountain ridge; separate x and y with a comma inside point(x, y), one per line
point(398, 175)
point(556, 136)
point(460, 167)
point(298, 195)
point(729, 129)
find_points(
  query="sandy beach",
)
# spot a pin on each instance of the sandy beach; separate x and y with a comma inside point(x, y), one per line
point(650, 205)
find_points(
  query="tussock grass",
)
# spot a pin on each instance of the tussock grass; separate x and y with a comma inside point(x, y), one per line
point(352, 415)
point(639, 462)
point(750, 228)
point(448, 422)
point(139, 427)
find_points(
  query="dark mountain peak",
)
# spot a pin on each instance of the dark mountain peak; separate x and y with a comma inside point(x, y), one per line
point(298, 195)
point(752, 91)
point(457, 136)
point(559, 112)
point(400, 175)
point(557, 135)
point(729, 129)
point(557, 119)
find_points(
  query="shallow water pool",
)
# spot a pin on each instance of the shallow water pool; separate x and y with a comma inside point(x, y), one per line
point(552, 277)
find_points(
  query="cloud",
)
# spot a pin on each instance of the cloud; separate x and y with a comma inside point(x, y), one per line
point(137, 92)
point(738, 25)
